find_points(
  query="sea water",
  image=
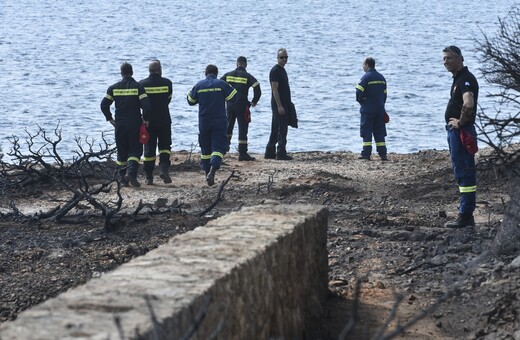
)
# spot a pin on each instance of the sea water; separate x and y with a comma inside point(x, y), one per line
point(57, 58)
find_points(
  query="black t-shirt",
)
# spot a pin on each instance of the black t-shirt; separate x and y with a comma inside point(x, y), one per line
point(278, 74)
point(464, 81)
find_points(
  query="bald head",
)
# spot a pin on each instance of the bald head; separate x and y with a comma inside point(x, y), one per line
point(155, 67)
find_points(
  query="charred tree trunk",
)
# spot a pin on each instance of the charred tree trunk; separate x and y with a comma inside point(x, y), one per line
point(500, 57)
point(507, 239)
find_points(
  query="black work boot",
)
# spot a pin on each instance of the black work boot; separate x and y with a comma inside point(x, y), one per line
point(270, 153)
point(242, 152)
point(284, 157)
point(164, 174)
point(462, 221)
point(149, 178)
point(164, 165)
point(244, 156)
point(131, 174)
point(210, 178)
point(121, 177)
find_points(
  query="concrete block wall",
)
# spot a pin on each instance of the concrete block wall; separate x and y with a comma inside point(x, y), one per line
point(259, 273)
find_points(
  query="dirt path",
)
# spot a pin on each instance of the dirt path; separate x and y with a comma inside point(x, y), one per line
point(385, 230)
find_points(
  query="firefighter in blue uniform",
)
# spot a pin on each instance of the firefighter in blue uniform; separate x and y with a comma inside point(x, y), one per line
point(460, 114)
point(159, 91)
point(371, 94)
point(211, 94)
point(241, 80)
point(129, 97)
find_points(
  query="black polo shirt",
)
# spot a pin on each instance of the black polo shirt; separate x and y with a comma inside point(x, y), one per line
point(463, 81)
point(279, 74)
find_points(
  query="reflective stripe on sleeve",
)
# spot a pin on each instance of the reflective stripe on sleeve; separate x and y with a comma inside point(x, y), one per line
point(231, 94)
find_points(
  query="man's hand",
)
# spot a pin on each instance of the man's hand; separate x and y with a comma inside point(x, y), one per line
point(281, 110)
point(454, 123)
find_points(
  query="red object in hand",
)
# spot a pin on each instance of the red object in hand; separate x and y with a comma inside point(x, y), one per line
point(143, 134)
point(387, 117)
point(469, 142)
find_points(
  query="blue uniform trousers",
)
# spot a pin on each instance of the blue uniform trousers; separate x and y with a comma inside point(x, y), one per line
point(373, 124)
point(213, 143)
point(463, 169)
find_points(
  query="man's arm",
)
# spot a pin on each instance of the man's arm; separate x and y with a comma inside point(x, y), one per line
point(192, 97)
point(276, 94)
point(257, 93)
point(105, 107)
point(467, 111)
point(468, 108)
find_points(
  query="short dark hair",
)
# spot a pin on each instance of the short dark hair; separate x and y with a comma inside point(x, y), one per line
point(452, 48)
point(211, 69)
point(370, 62)
point(126, 69)
point(242, 60)
point(155, 67)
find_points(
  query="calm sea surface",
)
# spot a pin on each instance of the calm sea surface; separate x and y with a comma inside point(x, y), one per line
point(58, 57)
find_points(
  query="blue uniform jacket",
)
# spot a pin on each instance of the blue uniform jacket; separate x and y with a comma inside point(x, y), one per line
point(211, 94)
point(371, 92)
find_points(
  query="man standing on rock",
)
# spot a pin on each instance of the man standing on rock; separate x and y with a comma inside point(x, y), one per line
point(129, 97)
point(460, 124)
point(211, 94)
point(371, 95)
point(241, 80)
point(159, 91)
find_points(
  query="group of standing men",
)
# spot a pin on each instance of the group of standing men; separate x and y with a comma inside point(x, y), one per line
point(216, 122)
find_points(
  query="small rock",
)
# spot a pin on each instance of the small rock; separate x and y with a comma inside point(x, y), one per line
point(515, 263)
point(380, 285)
point(338, 283)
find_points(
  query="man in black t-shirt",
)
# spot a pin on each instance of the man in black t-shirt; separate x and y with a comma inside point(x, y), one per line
point(460, 121)
point(280, 106)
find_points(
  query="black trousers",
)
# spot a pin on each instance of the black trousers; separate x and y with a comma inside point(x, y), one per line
point(160, 138)
point(238, 114)
point(278, 136)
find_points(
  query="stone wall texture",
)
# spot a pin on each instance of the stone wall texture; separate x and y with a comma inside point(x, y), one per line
point(259, 273)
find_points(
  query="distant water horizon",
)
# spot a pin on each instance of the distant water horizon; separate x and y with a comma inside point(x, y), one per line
point(58, 58)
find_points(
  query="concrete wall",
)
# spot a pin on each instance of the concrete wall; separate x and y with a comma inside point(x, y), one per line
point(259, 273)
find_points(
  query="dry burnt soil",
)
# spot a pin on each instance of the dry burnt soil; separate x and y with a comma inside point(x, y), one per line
point(385, 236)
